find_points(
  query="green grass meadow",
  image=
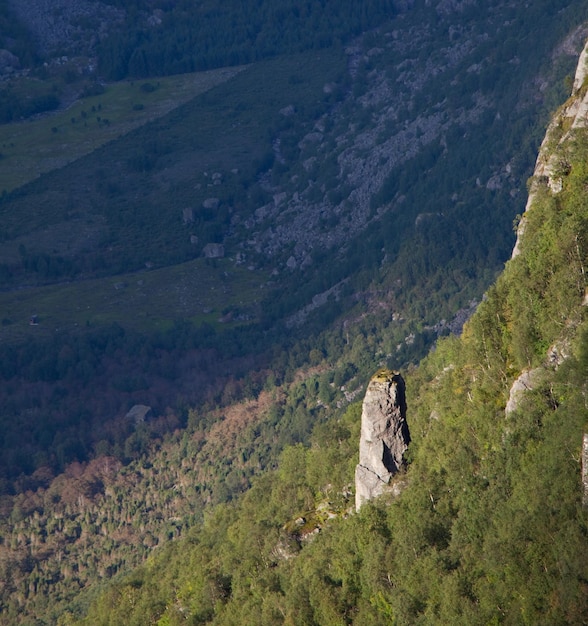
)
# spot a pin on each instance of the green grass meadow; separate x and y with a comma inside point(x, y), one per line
point(34, 147)
point(216, 292)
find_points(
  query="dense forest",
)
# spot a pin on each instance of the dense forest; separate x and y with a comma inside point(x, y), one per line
point(240, 263)
point(191, 38)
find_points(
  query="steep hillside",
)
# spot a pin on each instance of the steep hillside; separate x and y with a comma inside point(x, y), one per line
point(490, 527)
point(305, 191)
point(241, 265)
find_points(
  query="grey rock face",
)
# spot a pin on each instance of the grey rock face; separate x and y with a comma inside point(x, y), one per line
point(384, 436)
point(527, 381)
point(531, 379)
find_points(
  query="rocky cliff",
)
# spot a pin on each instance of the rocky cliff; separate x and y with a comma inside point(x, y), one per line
point(384, 436)
point(552, 163)
point(67, 27)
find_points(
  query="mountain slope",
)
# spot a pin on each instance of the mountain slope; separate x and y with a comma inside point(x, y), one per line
point(386, 178)
point(490, 527)
point(380, 204)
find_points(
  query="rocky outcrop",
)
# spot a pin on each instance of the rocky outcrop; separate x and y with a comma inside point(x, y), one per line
point(139, 413)
point(527, 381)
point(384, 436)
point(69, 27)
point(531, 379)
point(188, 215)
point(214, 251)
point(581, 70)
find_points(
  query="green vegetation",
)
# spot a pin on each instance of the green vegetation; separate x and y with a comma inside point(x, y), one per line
point(209, 35)
point(490, 528)
point(214, 292)
point(26, 99)
point(90, 508)
point(127, 198)
point(384, 375)
point(363, 195)
point(104, 113)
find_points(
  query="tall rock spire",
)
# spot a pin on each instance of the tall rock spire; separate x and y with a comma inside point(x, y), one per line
point(384, 435)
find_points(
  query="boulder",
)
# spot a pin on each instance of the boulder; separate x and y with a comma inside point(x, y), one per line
point(384, 436)
point(214, 251)
point(211, 203)
point(188, 215)
point(139, 413)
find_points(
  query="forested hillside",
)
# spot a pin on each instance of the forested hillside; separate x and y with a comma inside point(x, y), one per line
point(490, 527)
point(233, 254)
point(179, 37)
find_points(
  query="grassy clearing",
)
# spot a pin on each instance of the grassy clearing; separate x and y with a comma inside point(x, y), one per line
point(217, 292)
point(109, 212)
point(33, 147)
